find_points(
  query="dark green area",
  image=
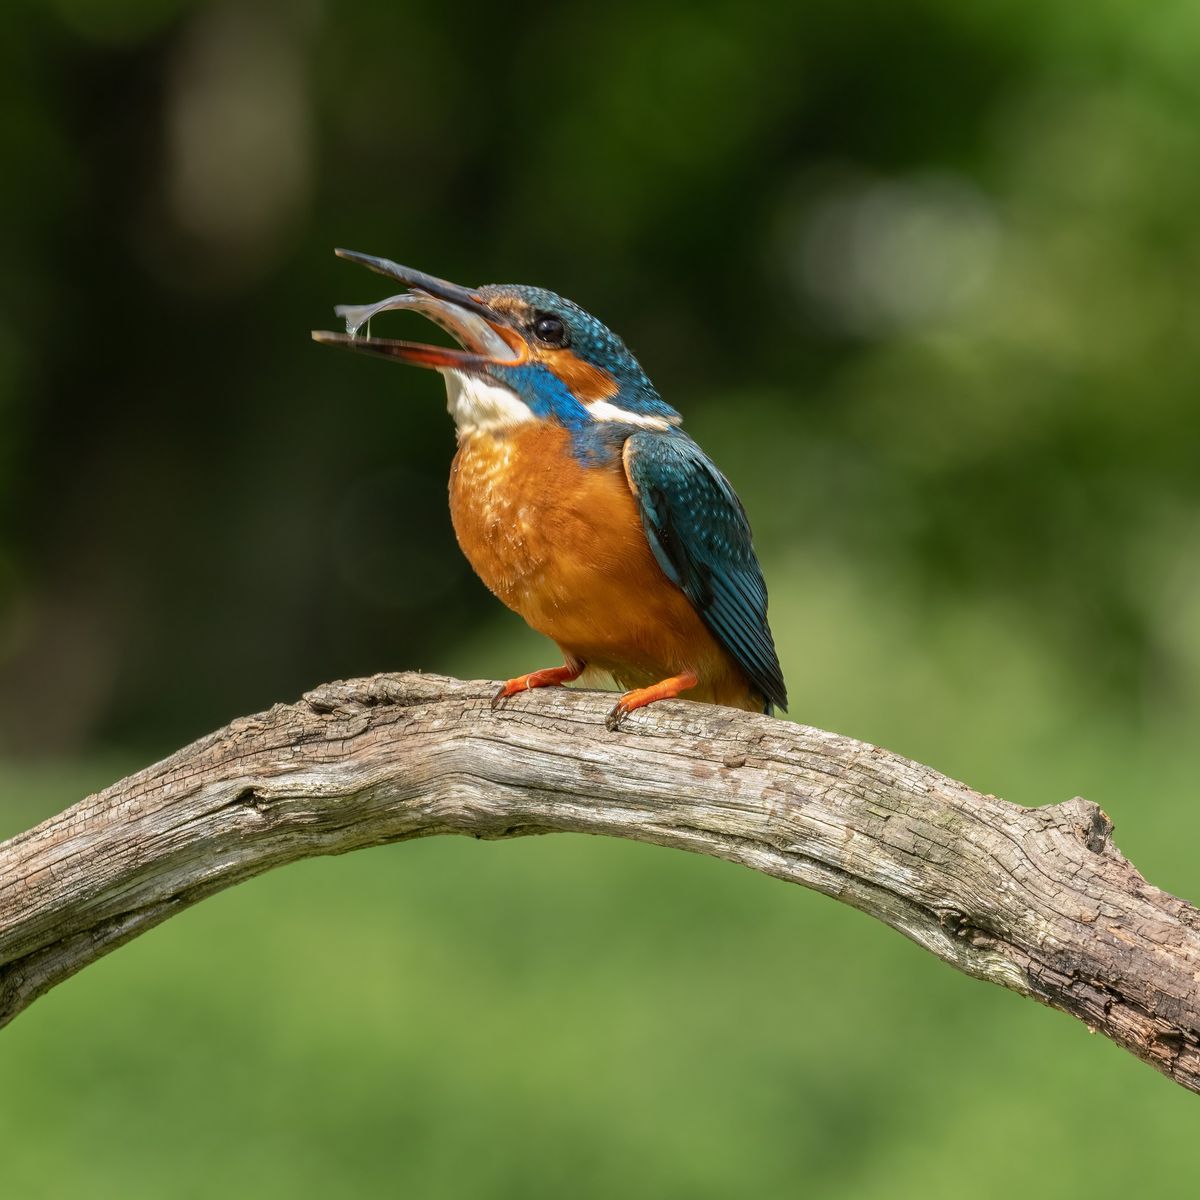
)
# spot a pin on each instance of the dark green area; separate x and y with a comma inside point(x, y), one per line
point(922, 277)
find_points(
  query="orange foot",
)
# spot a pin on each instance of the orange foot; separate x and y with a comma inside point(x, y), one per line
point(547, 677)
point(668, 689)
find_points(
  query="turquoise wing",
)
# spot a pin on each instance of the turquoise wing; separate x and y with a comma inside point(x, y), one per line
point(701, 538)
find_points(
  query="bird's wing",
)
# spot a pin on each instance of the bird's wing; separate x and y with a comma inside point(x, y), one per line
point(700, 536)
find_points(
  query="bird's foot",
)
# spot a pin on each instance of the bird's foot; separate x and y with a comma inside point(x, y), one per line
point(668, 689)
point(547, 677)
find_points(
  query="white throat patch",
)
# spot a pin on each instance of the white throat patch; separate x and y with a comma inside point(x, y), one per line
point(479, 405)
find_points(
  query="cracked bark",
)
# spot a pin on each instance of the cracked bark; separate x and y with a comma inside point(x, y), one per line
point(1034, 899)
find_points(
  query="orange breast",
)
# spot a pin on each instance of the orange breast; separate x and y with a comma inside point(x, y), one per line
point(563, 545)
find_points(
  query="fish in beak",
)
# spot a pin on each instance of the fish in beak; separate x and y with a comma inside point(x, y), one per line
point(486, 337)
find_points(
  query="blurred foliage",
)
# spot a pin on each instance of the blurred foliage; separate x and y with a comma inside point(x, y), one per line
point(922, 277)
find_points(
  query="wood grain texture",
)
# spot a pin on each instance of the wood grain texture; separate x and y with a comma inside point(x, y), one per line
point(1037, 900)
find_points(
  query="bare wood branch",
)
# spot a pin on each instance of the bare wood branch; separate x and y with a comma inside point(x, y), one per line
point(1037, 900)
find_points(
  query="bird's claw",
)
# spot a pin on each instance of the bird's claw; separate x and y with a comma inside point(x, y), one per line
point(506, 690)
point(666, 689)
point(613, 721)
point(546, 677)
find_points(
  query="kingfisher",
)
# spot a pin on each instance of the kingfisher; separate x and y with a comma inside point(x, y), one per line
point(579, 500)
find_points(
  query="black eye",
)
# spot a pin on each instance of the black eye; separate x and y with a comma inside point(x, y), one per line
point(549, 330)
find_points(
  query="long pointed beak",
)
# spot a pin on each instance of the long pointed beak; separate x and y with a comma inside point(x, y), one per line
point(458, 310)
point(430, 284)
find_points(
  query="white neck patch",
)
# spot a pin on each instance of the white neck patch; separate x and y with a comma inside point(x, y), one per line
point(602, 410)
point(479, 405)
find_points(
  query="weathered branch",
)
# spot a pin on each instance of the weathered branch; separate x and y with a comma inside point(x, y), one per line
point(1035, 899)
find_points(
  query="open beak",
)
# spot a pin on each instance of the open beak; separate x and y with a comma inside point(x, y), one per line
point(461, 312)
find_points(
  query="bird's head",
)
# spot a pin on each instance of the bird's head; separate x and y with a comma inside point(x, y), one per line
point(525, 354)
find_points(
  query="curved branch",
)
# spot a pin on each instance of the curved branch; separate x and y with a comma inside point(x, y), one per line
point(1035, 899)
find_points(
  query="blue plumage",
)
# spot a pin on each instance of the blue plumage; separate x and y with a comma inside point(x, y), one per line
point(701, 538)
point(594, 343)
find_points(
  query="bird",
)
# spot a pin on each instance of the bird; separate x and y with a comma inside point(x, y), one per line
point(579, 500)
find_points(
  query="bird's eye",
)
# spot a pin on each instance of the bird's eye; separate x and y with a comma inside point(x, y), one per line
point(550, 330)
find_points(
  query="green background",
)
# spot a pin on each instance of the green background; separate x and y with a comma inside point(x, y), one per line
point(922, 277)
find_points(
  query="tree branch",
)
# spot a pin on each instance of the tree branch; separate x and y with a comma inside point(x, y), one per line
point(1035, 899)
